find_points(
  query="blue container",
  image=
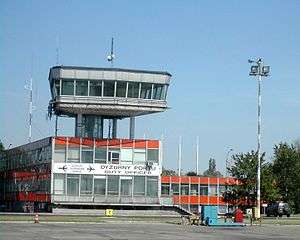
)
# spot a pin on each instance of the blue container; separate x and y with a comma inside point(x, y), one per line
point(210, 214)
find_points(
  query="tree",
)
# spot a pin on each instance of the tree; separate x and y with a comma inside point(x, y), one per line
point(168, 172)
point(191, 173)
point(212, 170)
point(244, 169)
point(297, 144)
point(286, 169)
point(1, 146)
point(270, 190)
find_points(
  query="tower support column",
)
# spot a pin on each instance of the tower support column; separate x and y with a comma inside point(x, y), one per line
point(90, 126)
point(114, 128)
point(78, 125)
point(132, 128)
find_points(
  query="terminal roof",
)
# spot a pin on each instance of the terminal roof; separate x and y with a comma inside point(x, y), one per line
point(112, 69)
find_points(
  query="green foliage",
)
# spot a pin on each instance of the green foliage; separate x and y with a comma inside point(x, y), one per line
point(168, 172)
point(287, 173)
point(212, 169)
point(191, 173)
point(1, 146)
point(280, 179)
point(270, 190)
point(244, 169)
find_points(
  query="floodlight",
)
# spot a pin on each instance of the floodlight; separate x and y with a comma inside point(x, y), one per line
point(266, 70)
point(254, 70)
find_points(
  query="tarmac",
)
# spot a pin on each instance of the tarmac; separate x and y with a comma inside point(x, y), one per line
point(144, 231)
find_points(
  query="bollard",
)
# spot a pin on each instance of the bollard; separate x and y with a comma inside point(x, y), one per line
point(36, 218)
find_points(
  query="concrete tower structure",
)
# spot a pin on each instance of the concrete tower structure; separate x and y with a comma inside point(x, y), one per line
point(93, 95)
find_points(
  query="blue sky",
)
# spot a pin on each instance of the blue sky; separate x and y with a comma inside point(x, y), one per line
point(203, 44)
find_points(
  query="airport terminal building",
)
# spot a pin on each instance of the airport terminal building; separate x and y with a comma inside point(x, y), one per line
point(81, 171)
point(95, 168)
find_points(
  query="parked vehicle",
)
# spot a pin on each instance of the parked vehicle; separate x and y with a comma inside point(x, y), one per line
point(278, 209)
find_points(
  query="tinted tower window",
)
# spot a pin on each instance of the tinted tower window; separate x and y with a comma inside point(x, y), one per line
point(81, 88)
point(95, 88)
point(68, 87)
point(133, 90)
point(109, 88)
point(121, 89)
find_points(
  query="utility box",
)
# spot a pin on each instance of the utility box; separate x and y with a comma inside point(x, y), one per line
point(109, 212)
point(209, 215)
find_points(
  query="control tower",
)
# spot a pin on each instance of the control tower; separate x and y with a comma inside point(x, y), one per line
point(93, 95)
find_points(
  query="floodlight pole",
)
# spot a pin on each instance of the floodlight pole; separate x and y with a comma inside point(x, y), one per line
point(258, 140)
point(197, 156)
point(179, 155)
point(227, 163)
point(260, 71)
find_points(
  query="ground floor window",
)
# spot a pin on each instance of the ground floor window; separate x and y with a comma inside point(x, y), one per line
point(113, 185)
point(99, 185)
point(184, 189)
point(175, 188)
point(86, 184)
point(194, 189)
point(152, 185)
point(204, 190)
point(59, 184)
point(139, 186)
point(213, 190)
point(73, 184)
point(126, 186)
point(165, 189)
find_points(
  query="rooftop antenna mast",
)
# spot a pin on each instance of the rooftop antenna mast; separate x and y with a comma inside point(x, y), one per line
point(111, 58)
point(57, 63)
point(57, 50)
point(29, 88)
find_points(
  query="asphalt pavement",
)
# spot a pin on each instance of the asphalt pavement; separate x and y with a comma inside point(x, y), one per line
point(144, 231)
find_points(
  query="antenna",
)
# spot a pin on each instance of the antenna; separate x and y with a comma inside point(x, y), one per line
point(111, 56)
point(57, 50)
point(29, 88)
